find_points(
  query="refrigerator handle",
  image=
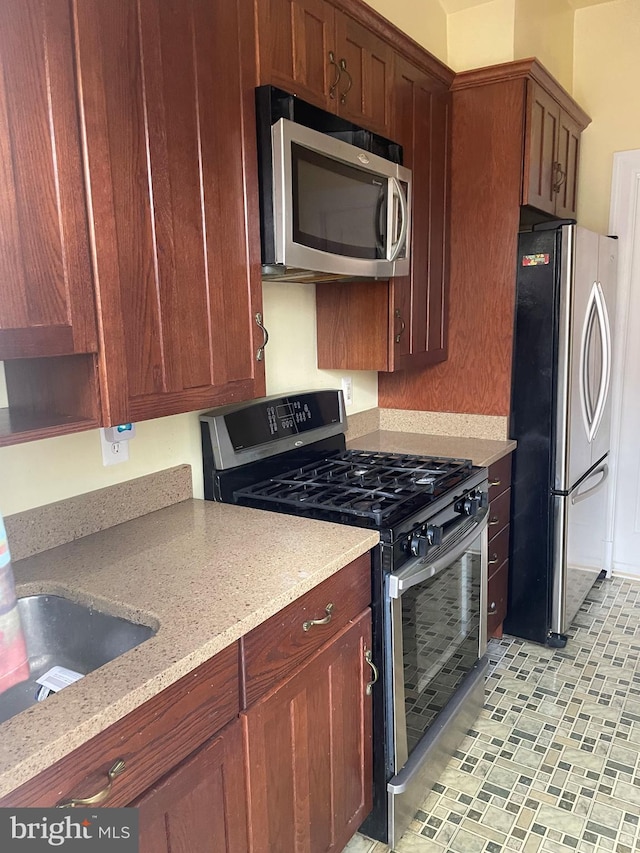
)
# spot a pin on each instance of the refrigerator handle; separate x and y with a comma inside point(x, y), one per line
point(605, 378)
point(582, 496)
point(596, 310)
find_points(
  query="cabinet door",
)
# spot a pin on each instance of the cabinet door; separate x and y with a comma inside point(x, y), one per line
point(295, 40)
point(541, 171)
point(567, 157)
point(46, 288)
point(308, 752)
point(421, 125)
point(201, 804)
point(366, 75)
point(167, 99)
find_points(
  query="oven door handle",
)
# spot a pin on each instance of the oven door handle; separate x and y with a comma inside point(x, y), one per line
point(411, 576)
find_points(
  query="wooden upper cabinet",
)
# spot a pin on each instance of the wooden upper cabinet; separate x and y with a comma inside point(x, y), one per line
point(295, 40)
point(167, 104)
point(403, 323)
point(422, 117)
point(46, 289)
point(366, 75)
point(314, 50)
point(551, 151)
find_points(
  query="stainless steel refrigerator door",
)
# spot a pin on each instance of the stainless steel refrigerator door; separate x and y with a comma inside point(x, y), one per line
point(579, 534)
point(588, 267)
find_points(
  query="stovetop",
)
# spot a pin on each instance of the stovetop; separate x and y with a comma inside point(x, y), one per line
point(360, 487)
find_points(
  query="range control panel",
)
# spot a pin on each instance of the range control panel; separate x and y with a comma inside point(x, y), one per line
point(272, 419)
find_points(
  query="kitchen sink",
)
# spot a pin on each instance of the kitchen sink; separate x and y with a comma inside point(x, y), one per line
point(60, 632)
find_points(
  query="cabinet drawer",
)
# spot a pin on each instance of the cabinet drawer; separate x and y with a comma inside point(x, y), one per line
point(497, 598)
point(498, 549)
point(272, 650)
point(499, 514)
point(499, 476)
point(151, 739)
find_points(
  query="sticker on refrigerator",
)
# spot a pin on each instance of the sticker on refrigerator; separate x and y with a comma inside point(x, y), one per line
point(535, 260)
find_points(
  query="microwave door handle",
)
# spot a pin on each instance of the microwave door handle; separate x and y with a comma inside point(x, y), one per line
point(402, 210)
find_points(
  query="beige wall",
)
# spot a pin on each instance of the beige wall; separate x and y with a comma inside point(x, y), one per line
point(424, 20)
point(481, 35)
point(606, 79)
point(544, 28)
point(291, 364)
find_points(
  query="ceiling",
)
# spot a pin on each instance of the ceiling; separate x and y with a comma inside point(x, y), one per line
point(451, 6)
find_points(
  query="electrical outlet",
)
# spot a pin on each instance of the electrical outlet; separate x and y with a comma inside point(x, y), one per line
point(113, 452)
point(347, 390)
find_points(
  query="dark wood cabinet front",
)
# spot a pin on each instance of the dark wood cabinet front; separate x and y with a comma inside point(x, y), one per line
point(403, 323)
point(420, 300)
point(308, 746)
point(46, 285)
point(314, 50)
point(167, 104)
point(552, 143)
point(201, 804)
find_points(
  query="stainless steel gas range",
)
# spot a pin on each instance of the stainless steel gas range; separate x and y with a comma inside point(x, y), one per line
point(288, 454)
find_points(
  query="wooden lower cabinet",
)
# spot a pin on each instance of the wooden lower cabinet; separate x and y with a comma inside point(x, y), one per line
point(201, 804)
point(308, 750)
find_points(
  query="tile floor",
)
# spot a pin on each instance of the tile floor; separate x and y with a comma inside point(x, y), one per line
point(553, 762)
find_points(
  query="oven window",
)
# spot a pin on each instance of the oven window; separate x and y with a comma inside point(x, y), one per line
point(441, 635)
point(337, 207)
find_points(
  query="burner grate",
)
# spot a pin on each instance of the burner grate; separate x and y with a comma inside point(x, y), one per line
point(362, 484)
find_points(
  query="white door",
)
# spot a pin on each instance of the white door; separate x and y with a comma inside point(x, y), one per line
point(624, 532)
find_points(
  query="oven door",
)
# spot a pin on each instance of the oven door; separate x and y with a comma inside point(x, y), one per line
point(437, 630)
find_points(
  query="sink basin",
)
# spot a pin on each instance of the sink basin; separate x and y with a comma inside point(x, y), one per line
point(59, 632)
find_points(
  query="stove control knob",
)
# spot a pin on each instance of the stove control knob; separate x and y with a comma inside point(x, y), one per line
point(418, 545)
point(434, 535)
point(471, 504)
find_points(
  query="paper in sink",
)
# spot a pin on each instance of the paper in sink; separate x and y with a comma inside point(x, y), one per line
point(57, 677)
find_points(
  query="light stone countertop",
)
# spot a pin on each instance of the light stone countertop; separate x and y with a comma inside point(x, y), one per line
point(482, 451)
point(205, 573)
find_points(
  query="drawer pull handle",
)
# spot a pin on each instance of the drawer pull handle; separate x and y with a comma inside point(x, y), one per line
point(493, 560)
point(306, 626)
point(493, 609)
point(118, 768)
point(494, 520)
point(495, 482)
point(369, 659)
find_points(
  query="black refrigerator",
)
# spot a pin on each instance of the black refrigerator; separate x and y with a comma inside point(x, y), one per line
point(560, 418)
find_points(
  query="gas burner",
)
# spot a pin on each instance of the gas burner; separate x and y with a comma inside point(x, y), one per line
point(360, 484)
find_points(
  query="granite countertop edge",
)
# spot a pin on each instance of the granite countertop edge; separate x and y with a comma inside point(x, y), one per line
point(200, 607)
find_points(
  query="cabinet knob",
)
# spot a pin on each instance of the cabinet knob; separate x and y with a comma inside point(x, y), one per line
point(495, 482)
point(103, 795)
point(493, 521)
point(493, 609)
point(493, 560)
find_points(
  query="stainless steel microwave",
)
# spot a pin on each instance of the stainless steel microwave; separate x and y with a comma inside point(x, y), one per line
point(335, 211)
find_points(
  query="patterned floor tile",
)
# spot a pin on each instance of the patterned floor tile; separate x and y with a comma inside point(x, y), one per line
point(552, 764)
